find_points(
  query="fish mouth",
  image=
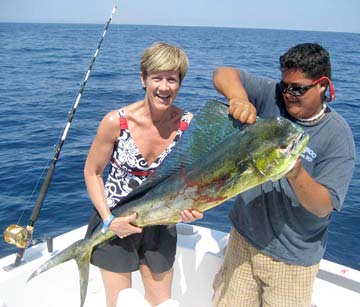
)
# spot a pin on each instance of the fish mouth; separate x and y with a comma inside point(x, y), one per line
point(292, 152)
point(298, 141)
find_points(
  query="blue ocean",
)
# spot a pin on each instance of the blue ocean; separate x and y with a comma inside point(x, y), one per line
point(43, 65)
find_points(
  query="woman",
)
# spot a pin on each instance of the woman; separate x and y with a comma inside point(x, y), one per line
point(135, 140)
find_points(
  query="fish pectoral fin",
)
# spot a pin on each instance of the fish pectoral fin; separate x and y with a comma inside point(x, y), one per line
point(170, 225)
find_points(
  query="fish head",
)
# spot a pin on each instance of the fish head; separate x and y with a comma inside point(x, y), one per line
point(282, 143)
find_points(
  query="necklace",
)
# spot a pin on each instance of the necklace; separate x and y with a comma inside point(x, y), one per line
point(314, 118)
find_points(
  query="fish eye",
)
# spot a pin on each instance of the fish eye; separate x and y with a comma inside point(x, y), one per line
point(283, 148)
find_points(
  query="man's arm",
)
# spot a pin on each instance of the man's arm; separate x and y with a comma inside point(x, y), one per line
point(312, 195)
point(227, 81)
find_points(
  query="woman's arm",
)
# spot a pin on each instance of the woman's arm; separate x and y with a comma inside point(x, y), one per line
point(98, 157)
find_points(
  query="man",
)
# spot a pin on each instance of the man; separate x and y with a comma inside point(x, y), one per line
point(280, 228)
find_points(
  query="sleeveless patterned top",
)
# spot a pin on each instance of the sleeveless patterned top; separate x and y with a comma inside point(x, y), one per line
point(128, 167)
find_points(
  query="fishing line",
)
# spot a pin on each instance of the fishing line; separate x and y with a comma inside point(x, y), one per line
point(29, 199)
point(27, 203)
point(17, 235)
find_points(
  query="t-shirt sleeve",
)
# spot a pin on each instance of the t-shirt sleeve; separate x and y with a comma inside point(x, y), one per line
point(261, 92)
point(335, 169)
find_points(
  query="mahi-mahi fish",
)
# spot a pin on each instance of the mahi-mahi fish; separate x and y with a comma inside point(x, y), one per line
point(217, 159)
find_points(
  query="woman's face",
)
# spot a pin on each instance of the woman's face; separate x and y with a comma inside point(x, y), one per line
point(161, 88)
point(308, 104)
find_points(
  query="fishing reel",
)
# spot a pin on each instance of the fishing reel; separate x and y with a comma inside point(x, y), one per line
point(18, 235)
point(22, 238)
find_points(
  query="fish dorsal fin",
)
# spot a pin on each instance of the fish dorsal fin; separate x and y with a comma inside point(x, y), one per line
point(210, 125)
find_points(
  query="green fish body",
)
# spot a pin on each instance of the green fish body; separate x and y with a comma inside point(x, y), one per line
point(218, 159)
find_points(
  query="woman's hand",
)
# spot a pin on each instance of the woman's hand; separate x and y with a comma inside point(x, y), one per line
point(188, 216)
point(122, 226)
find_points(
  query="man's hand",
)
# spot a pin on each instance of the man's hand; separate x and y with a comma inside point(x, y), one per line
point(294, 172)
point(242, 110)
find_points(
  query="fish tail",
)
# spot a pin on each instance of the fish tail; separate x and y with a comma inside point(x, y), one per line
point(83, 265)
point(80, 251)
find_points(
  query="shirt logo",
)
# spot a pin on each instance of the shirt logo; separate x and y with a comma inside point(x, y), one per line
point(308, 154)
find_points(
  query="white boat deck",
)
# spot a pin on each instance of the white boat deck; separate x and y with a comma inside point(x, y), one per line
point(199, 255)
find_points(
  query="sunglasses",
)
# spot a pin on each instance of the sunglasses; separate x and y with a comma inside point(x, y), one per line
point(300, 90)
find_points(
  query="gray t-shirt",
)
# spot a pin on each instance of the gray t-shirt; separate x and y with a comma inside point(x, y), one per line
point(269, 216)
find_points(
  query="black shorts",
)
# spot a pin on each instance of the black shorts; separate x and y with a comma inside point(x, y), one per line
point(154, 247)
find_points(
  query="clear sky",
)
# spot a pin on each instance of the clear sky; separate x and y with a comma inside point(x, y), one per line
point(318, 15)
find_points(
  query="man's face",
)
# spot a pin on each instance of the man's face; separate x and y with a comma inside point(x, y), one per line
point(310, 102)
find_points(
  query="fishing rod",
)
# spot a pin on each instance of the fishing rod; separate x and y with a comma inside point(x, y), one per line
point(18, 235)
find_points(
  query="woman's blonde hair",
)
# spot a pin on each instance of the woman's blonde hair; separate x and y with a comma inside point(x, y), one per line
point(162, 57)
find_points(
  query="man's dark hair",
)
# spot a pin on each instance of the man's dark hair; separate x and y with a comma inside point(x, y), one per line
point(311, 58)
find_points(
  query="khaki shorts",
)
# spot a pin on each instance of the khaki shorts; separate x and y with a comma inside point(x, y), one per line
point(249, 278)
